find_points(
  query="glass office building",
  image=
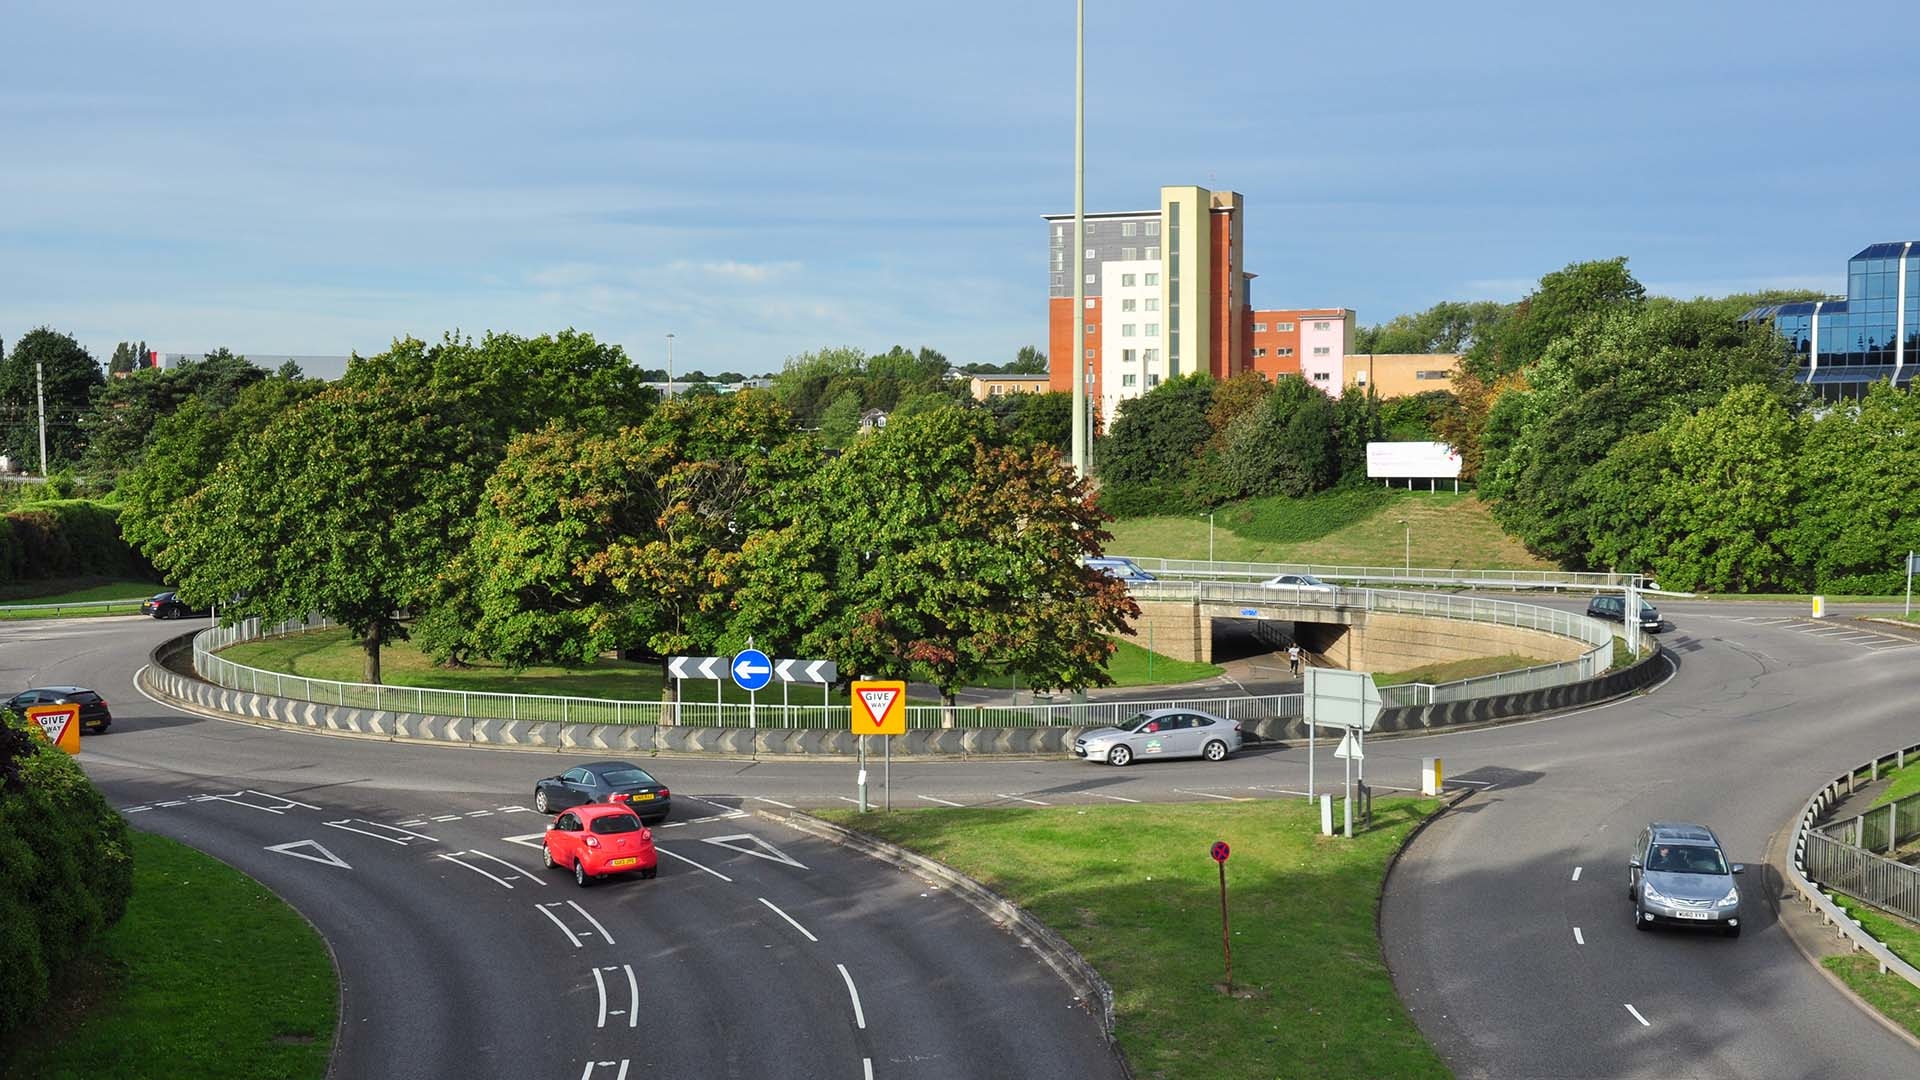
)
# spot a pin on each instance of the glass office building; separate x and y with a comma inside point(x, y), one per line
point(1844, 346)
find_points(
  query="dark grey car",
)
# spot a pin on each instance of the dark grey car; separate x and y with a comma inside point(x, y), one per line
point(1679, 876)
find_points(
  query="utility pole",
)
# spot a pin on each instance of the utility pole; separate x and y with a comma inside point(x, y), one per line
point(1078, 360)
point(669, 364)
point(40, 395)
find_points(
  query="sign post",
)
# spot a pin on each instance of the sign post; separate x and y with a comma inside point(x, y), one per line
point(1348, 700)
point(879, 708)
point(1220, 853)
point(1913, 563)
point(752, 671)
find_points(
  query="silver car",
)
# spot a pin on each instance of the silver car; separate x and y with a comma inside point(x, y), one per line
point(1161, 733)
point(1679, 876)
point(1298, 583)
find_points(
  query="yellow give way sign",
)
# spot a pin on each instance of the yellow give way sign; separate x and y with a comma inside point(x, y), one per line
point(880, 707)
point(59, 723)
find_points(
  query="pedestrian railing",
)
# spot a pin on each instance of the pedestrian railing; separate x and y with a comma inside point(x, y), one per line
point(542, 708)
point(1820, 860)
point(82, 607)
point(1220, 570)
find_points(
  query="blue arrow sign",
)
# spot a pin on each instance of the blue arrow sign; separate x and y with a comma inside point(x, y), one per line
point(751, 669)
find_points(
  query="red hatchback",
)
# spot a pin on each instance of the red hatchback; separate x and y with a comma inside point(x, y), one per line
point(597, 840)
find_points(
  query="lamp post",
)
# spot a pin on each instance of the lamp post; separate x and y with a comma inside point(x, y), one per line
point(669, 363)
point(1077, 363)
point(1210, 514)
point(1409, 528)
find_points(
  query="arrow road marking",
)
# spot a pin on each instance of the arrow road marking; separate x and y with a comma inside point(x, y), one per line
point(324, 857)
point(770, 853)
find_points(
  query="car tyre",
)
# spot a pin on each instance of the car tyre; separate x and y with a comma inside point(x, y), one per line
point(580, 877)
point(1215, 751)
point(1639, 921)
point(1731, 931)
point(1120, 756)
point(540, 802)
point(546, 855)
point(647, 875)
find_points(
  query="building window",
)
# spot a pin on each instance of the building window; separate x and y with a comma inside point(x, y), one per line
point(1319, 376)
point(1259, 328)
point(1153, 380)
point(1126, 280)
point(1153, 303)
point(1432, 374)
point(1060, 231)
point(1153, 329)
point(1319, 326)
point(1092, 254)
point(1129, 379)
point(1059, 281)
point(1089, 354)
point(1153, 279)
point(1126, 356)
point(1129, 228)
point(1126, 329)
point(1091, 301)
point(1153, 253)
point(1089, 228)
point(1153, 227)
point(1259, 352)
point(1090, 328)
point(1089, 279)
point(1129, 254)
point(1283, 327)
point(1320, 350)
point(995, 391)
point(1150, 356)
point(1283, 351)
point(1127, 304)
point(1360, 378)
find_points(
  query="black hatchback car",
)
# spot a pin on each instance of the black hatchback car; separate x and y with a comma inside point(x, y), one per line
point(93, 708)
point(1614, 609)
point(168, 605)
point(620, 782)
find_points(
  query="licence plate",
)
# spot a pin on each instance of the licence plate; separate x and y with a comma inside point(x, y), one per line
point(1683, 913)
point(623, 862)
point(642, 796)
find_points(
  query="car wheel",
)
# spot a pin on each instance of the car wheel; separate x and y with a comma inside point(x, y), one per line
point(1215, 751)
point(540, 802)
point(1731, 931)
point(647, 875)
point(580, 877)
point(546, 855)
point(1639, 921)
point(1121, 755)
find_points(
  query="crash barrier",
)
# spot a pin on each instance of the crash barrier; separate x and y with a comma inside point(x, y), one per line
point(1819, 860)
point(78, 607)
point(1484, 697)
point(1215, 570)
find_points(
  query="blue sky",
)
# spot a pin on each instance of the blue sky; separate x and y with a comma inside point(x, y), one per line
point(767, 179)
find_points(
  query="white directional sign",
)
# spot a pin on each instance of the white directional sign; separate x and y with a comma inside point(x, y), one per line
point(811, 671)
point(697, 667)
point(312, 851)
point(1345, 699)
point(752, 670)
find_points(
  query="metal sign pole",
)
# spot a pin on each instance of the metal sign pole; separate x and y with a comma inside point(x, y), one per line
point(1349, 799)
point(1909, 584)
point(862, 780)
point(886, 771)
point(1310, 791)
point(1226, 939)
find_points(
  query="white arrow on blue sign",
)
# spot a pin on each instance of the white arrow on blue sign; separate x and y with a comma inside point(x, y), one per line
point(751, 669)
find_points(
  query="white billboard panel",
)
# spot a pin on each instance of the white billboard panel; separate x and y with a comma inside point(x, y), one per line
point(1412, 460)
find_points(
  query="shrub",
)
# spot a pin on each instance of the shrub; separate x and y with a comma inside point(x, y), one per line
point(69, 871)
point(1145, 499)
point(68, 538)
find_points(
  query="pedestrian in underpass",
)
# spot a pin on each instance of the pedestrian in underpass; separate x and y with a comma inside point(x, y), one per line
point(1293, 658)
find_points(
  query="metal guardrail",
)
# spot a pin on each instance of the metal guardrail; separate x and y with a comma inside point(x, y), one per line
point(488, 705)
point(103, 607)
point(1216, 570)
point(1818, 860)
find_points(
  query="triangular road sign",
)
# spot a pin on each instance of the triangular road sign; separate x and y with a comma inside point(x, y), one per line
point(762, 850)
point(317, 853)
point(877, 703)
point(879, 707)
point(1347, 748)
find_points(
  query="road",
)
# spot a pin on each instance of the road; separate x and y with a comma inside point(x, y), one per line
point(1506, 925)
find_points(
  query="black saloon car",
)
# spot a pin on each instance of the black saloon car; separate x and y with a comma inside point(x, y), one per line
point(619, 782)
point(167, 605)
point(93, 708)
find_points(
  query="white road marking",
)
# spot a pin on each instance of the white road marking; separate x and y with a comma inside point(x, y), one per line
point(633, 992)
point(789, 919)
point(1576, 873)
point(1637, 1016)
point(285, 803)
point(942, 802)
point(776, 802)
point(1390, 787)
point(447, 817)
point(1577, 939)
point(173, 802)
point(415, 821)
point(632, 1012)
point(1115, 798)
point(693, 864)
point(608, 938)
point(867, 1064)
point(859, 1018)
point(542, 909)
point(515, 810)
point(479, 813)
point(1475, 783)
point(344, 827)
point(1222, 798)
point(591, 1065)
point(843, 798)
point(497, 880)
point(325, 856)
point(760, 849)
point(532, 839)
point(136, 809)
point(600, 985)
point(1021, 798)
point(528, 874)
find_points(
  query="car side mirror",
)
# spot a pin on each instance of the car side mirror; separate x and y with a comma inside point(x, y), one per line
point(1739, 868)
point(1633, 864)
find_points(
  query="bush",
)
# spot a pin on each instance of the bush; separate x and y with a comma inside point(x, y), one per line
point(1147, 499)
point(69, 870)
point(70, 538)
point(1885, 583)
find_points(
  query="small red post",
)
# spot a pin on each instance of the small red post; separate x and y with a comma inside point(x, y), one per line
point(1220, 853)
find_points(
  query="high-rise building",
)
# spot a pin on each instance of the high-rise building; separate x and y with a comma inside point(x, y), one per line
point(1844, 346)
point(1166, 295)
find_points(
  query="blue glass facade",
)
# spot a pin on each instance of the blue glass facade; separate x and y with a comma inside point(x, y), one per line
point(1843, 346)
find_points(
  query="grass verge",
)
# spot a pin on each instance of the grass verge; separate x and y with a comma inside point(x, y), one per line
point(208, 977)
point(1133, 890)
point(1896, 998)
point(1458, 669)
point(1901, 783)
point(86, 590)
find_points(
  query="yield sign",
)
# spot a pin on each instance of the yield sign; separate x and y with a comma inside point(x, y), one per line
point(316, 853)
point(59, 723)
point(879, 707)
point(1349, 748)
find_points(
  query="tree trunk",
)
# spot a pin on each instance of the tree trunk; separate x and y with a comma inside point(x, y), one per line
point(371, 643)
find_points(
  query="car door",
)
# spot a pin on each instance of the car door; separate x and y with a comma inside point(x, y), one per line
point(580, 786)
point(564, 839)
point(1178, 733)
point(1641, 843)
point(1200, 731)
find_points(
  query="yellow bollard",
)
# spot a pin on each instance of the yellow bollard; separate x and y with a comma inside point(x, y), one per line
point(1819, 607)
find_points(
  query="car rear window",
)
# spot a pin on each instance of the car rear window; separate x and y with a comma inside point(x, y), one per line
point(624, 777)
point(608, 824)
point(83, 697)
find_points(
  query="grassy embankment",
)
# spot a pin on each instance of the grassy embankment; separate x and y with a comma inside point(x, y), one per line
point(1896, 998)
point(208, 977)
point(1134, 891)
point(75, 591)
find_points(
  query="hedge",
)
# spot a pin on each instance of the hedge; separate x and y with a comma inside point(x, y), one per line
point(69, 870)
point(66, 538)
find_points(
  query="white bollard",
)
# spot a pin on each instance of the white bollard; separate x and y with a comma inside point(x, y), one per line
point(1326, 815)
point(1431, 779)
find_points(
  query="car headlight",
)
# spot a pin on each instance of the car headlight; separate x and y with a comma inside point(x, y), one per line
point(1653, 894)
point(1732, 898)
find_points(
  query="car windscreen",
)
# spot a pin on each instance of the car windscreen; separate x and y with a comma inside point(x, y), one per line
point(609, 824)
point(1686, 859)
point(1136, 721)
point(1309, 579)
point(625, 777)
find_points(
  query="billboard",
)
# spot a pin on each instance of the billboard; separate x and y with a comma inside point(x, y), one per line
point(1412, 460)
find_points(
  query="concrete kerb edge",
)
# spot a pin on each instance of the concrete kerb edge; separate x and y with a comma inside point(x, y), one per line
point(1448, 802)
point(1053, 950)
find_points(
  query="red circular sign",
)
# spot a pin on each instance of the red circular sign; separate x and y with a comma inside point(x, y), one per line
point(1220, 851)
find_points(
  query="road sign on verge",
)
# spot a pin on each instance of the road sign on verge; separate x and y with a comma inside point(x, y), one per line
point(1349, 749)
point(1221, 851)
point(808, 671)
point(879, 707)
point(697, 667)
point(751, 669)
point(1345, 699)
point(59, 723)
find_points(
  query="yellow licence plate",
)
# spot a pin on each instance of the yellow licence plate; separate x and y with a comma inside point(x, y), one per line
point(623, 862)
point(642, 796)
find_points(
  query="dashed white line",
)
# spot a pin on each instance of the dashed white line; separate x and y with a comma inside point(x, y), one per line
point(1115, 798)
point(1211, 795)
point(516, 810)
point(555, 919)
point(1577, 939)
point(691, 863)
point(776, 802)
point(415, 821)
point(604, 936)
point(867, 1064)
point(528, 874)
point(136, 809)
point(477, 870)
point(479, 813)
point(789, 918)
point(843, 798)
point(1021, 798)
point(859, 1018)
point(1576, 873)
point(1637, 1016)
point(942, 802)
point(447, 817)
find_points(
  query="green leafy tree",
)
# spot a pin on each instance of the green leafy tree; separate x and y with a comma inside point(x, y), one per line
point(1029, 361)
point(1626, 522)
point(1858, 513)
point(69, 374)
point(1729, 498)
point(125, 410)
point(1563, 301)
point(1356, 423)
point(123, 359)
point(1447, 327)
point(840, 421)
point(1156, 435)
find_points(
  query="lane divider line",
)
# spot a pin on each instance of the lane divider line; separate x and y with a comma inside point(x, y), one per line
point(1577, 939)
point(1637, 1016)
point(776, 802)
point(1211, 795)
point(604, 936)
point(1021, 798)
point(942, 802)
point(1115, 798)
point(693, 864)
point(859, 1018)
point(555, 919)
point(789, 918)
point(1576, 873)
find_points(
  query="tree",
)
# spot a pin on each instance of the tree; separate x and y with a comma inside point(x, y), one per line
point(1156, 435)
point(1447, 327)
point(1728, 499)
point(840, 420)
point(123, 360)
point(125, 410)
point(69, 374)
point(1563, 301)
point(1356, 423)
point(1858, 512)
point(1029, 361)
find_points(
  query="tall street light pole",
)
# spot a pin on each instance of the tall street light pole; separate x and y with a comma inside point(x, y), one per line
point(1077, 362)
point(1409, 527)
point(669, 364)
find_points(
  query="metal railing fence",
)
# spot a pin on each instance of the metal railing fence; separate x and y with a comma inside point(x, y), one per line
point(92, 607)
point(1881, 828)
point(1817, 860)
point(1218, 569)
point(1860, 873)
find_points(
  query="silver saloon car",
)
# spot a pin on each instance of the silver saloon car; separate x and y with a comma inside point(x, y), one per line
point(1679, 876)
point(1161, 733)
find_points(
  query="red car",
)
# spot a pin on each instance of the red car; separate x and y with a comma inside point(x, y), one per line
point(597, 840)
